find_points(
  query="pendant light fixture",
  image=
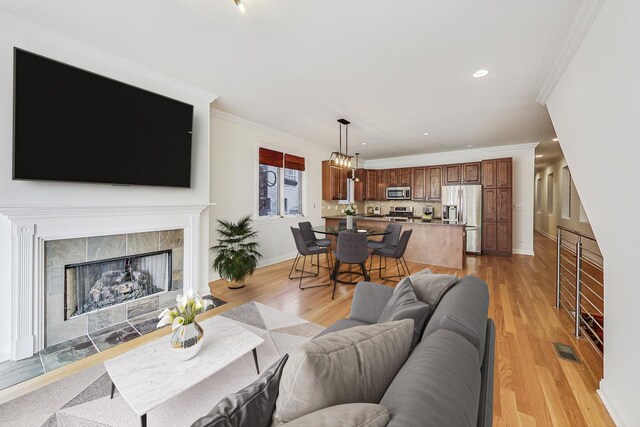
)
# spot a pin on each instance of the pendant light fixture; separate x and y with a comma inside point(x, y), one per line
point(340, 159)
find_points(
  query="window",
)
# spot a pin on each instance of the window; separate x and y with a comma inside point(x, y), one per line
point(539, 195)
point(550, 194)
point(566, 193)
point(583, 214)
point(280, 184)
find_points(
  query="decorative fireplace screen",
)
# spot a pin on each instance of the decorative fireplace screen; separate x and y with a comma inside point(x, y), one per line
point(94, 285)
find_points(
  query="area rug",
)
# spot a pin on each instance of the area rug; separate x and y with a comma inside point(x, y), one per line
point(84, 399)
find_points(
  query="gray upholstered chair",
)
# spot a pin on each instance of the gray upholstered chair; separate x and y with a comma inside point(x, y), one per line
point(311, 239)
point(390, 239)
point(351, 249)
point(396, 253)
point(305, 250)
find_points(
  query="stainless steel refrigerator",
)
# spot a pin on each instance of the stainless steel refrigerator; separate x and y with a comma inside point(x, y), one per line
point(468, 199)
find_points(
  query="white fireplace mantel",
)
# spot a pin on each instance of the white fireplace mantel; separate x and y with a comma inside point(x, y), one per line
point(31, 227)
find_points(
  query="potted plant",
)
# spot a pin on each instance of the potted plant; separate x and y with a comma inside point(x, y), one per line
point(236, 252)
point(350, 211)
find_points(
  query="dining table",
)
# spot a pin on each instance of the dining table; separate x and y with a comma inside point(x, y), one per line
point(335, 230)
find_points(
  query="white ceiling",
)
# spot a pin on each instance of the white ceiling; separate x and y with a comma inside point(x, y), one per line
point(396, 69)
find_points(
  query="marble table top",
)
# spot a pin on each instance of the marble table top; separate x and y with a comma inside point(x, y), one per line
point(151, 374)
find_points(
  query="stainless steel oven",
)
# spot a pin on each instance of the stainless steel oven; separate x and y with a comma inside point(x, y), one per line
point(398, 193)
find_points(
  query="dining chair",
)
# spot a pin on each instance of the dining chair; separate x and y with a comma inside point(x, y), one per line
point(389, 239)
point(352, 250)
point(396, 253)
point(305, 250)
point(310, 238)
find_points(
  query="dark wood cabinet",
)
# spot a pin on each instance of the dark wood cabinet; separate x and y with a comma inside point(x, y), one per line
point(382, 184)
point(404, 177)
point(418, 184)
point(359, 186)
point(433, 183)
point(497, 207)
point(471, 173)
point(371, 185)
point(490, 200)
point(393, 177)
point(334, 182)
point(503, 172)
point(452, 175)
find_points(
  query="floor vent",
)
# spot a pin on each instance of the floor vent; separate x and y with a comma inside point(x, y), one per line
point(565, 352)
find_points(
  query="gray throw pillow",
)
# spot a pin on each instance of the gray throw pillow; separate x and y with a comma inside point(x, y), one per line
point(429, 287)
point(404, 304)
point(252, 406)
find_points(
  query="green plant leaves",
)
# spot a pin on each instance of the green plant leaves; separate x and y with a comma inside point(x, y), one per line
point(237, 251)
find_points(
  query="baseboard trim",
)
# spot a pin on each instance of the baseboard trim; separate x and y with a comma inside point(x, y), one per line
point(213, 276)
point(619, 416)
point(523, 252)
point(545, 234)
point(5, 354)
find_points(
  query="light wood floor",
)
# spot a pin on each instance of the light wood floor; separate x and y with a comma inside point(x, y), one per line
point(532, 385)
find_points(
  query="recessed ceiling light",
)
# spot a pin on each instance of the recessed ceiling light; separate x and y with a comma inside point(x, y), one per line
point(538, 156)
point(364, 143)
point(556, 139)
point(480, 73)
point(426, 133)
point(240, 6)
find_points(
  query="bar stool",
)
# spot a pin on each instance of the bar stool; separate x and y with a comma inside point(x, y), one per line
point(305, 250)
point(311, 238)
point(352, 249)
point(396, 253)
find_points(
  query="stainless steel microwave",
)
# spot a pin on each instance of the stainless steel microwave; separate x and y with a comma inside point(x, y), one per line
point(398, 193)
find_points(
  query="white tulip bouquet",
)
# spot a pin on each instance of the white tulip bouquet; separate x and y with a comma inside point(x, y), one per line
point(188, 307)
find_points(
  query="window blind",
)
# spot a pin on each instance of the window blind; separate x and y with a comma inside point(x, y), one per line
point(293, 162)
point(271, 157)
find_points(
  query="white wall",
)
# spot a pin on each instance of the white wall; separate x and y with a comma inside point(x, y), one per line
point(234, 181)
point(595, 110)
point(25, 35)
point(5, 290)
point(523, 169)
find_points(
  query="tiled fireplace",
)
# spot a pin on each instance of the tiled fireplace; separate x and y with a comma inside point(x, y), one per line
point(94, 283)
point(51, 246)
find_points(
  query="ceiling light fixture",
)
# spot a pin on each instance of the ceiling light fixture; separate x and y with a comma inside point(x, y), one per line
point(555, 139)
point(480, 73)
point(426, 133)
point(364, 143)
point(343, 160)
point(240, 5)
point(539, 156)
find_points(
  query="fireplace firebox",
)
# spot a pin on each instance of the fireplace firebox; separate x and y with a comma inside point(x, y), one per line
point(94, 285)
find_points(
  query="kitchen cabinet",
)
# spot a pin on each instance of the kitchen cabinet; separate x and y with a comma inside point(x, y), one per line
point(371, 184)
point(497, 207)
point(359, 186)
point(433, 183)
point(452, 175)
point(334, 182)
point(404, 177)
point(382, 184)
point(471, 173)
point(418, 184)
point(393, 177)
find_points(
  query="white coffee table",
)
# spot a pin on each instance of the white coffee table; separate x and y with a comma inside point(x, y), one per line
point(151, 374)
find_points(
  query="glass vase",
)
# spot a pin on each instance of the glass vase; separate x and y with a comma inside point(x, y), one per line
point(186, 340)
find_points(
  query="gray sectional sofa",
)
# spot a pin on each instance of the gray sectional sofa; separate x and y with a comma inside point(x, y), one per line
point(448, 378)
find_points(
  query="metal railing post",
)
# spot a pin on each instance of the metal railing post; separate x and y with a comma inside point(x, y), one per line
point(558, 260)
point(578, 285)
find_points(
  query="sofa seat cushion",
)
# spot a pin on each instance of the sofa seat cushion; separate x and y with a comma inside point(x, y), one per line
point(350, 414)
point(341, 325)
point(439, 385)
point(403, 304)
point(464, 310)
point(355, 365)
point(251, 406)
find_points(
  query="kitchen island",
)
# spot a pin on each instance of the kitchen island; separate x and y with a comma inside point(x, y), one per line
point(435, 242)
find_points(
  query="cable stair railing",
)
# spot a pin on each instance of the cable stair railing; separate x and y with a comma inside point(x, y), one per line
point(580, 284)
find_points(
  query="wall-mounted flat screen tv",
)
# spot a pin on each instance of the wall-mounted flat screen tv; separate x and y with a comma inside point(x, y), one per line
point(73, 125)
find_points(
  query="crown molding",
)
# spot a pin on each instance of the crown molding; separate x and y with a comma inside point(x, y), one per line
point(433, 157)
point(219, 114)
point(43, 34)
point(579, 29)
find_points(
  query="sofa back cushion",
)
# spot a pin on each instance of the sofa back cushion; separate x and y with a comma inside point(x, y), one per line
point(430, 287)
point(355, 365)
point(439, 385)
point(464, 310)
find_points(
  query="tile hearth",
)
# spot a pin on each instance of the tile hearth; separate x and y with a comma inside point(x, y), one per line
point(64, 353)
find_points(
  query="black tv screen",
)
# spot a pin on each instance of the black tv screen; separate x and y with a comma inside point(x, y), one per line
point(73, 125)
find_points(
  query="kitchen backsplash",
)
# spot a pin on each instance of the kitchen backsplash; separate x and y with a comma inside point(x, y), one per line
point(330, 208)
